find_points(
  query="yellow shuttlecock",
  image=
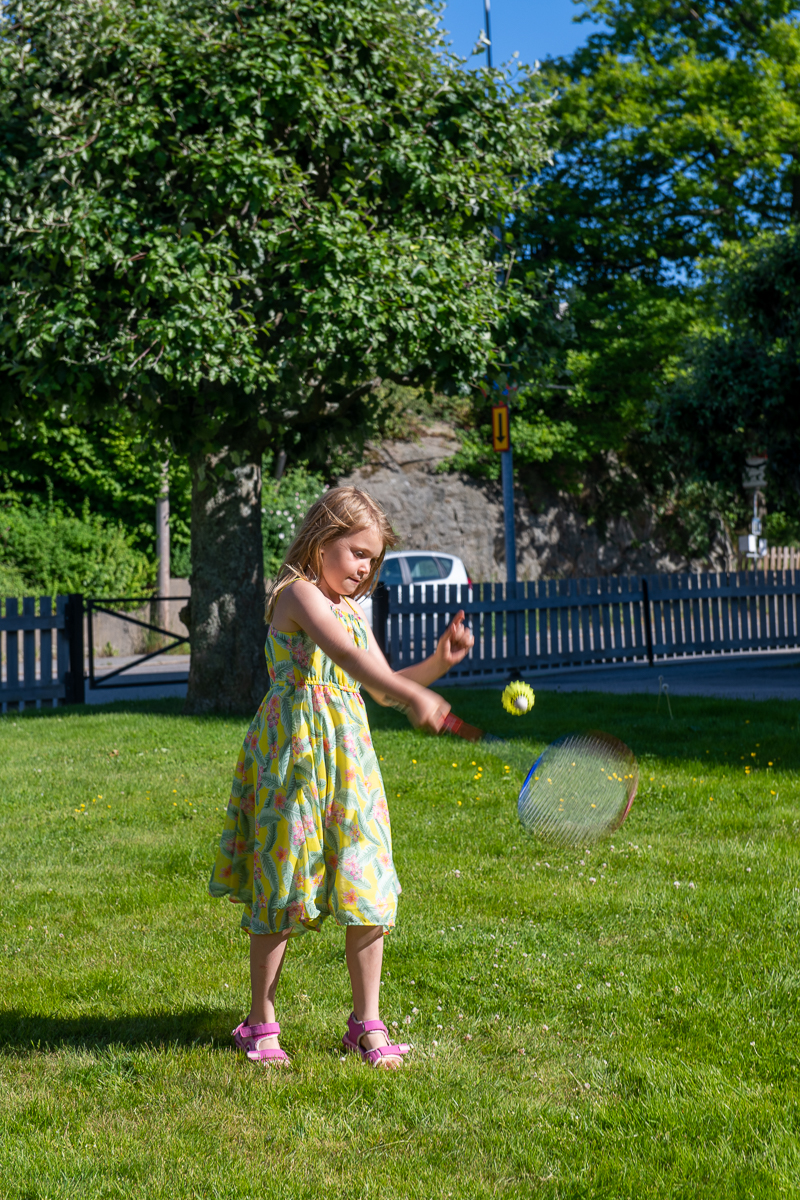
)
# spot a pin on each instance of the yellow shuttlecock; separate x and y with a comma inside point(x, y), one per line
point(518, 698)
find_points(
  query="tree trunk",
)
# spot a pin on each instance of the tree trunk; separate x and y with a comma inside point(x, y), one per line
point(228, 672)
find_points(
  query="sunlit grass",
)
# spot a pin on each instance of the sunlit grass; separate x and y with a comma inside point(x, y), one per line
point(621, 1022)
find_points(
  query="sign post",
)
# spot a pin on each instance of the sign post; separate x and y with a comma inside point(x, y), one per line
point(501, 442)
point(752, 545)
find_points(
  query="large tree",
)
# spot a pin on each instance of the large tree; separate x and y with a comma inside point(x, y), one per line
point(226, 222)
point(676, 129)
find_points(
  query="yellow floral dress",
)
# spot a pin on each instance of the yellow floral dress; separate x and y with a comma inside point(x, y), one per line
point(307, 831)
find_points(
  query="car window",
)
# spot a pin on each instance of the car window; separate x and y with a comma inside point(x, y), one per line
point(445, 566)
point(424, 568)
point(391, 573)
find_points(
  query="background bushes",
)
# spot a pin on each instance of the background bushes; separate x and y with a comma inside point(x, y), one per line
point(45, 550)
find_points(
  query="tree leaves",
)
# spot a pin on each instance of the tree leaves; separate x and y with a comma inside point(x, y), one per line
point(210, 207)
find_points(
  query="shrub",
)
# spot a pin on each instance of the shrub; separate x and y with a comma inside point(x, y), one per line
point(284, 504)
point(47, 551)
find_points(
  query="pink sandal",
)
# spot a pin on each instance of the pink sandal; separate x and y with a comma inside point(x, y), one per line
point(246, 1037)
point(356, 1030)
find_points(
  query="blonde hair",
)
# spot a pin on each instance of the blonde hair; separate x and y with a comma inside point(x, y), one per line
point(339, 511)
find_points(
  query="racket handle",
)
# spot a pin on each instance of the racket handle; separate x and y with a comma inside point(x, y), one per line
point(458, 728)
point(451, 724)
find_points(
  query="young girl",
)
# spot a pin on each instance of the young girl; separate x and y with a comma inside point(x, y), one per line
point(307, 831)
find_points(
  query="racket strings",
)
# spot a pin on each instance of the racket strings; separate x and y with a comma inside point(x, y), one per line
point(579, 789)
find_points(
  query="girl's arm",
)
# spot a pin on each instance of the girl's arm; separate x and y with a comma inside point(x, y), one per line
point(453, 645)
point(302, 606)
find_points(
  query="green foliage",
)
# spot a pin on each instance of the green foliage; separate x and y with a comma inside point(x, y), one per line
point(12, 582)
point(739, 391)
point(284, 503)
point(659, 1023)
point(675, 130)
point(782, 529)
point(47, 551)
point(118, 473)
point(215, 214)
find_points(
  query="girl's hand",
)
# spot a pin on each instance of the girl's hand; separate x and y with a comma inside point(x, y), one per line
point(427, 711)
point(455, 643)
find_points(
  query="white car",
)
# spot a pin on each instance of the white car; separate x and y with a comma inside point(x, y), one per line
point(418, 566)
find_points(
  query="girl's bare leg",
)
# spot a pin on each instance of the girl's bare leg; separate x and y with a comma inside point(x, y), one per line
point(267, 952)
point(364, 953)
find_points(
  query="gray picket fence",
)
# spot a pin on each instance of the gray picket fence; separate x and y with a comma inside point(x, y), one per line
point(39, 642)
point(578, 622)
point(524, 627)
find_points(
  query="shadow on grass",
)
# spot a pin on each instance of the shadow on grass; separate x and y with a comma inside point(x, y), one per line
point(704, 729)
point(27, 1033)
point(171, 706)
point(701, 730)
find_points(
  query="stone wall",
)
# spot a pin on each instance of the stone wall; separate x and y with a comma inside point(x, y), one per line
point(453, 512)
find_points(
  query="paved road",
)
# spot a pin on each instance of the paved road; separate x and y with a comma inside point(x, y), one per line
point(740, 676)
point(735, 677)
point(164, 676)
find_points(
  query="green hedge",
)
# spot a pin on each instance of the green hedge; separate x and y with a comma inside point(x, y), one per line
point(45, 551)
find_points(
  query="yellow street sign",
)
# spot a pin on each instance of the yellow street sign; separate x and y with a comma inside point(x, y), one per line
point(500, 433)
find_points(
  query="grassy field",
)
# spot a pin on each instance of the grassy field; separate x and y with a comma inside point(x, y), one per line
point(619, 1023)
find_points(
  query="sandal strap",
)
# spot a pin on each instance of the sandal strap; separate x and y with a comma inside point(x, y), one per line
point(268, 1055)
point(359, 1028)
point(373, 1027)
point(396, 1051)
point(267, 1029)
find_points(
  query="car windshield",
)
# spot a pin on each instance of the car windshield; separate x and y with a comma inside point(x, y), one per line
point(427, 567)
point(391, 574)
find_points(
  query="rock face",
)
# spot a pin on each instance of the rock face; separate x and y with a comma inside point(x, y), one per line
point(453, 512)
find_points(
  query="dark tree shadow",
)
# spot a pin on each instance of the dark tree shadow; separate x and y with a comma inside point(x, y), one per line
point(702, 728)
point(171, 706)
point(26, 1033)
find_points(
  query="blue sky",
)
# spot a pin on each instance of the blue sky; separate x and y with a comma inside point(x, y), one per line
point(537, 28)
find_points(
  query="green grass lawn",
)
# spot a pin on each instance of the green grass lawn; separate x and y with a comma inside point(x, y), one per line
point(618, 1023)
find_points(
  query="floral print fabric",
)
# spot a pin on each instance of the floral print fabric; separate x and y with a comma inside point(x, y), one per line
point(307, 831)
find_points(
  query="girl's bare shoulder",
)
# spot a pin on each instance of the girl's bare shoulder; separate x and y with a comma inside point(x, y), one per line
point(297, 598)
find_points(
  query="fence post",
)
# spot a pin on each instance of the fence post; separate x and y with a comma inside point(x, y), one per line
point(648, 627)
point(380, 615)
point(74, 680)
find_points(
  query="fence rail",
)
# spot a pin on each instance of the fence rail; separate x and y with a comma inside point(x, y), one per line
point(121, 604)
point(577, 622)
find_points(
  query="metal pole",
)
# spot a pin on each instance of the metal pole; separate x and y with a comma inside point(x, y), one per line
point(162, 549)
point(507, 461)
point(486, 4)
point(75, 686)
